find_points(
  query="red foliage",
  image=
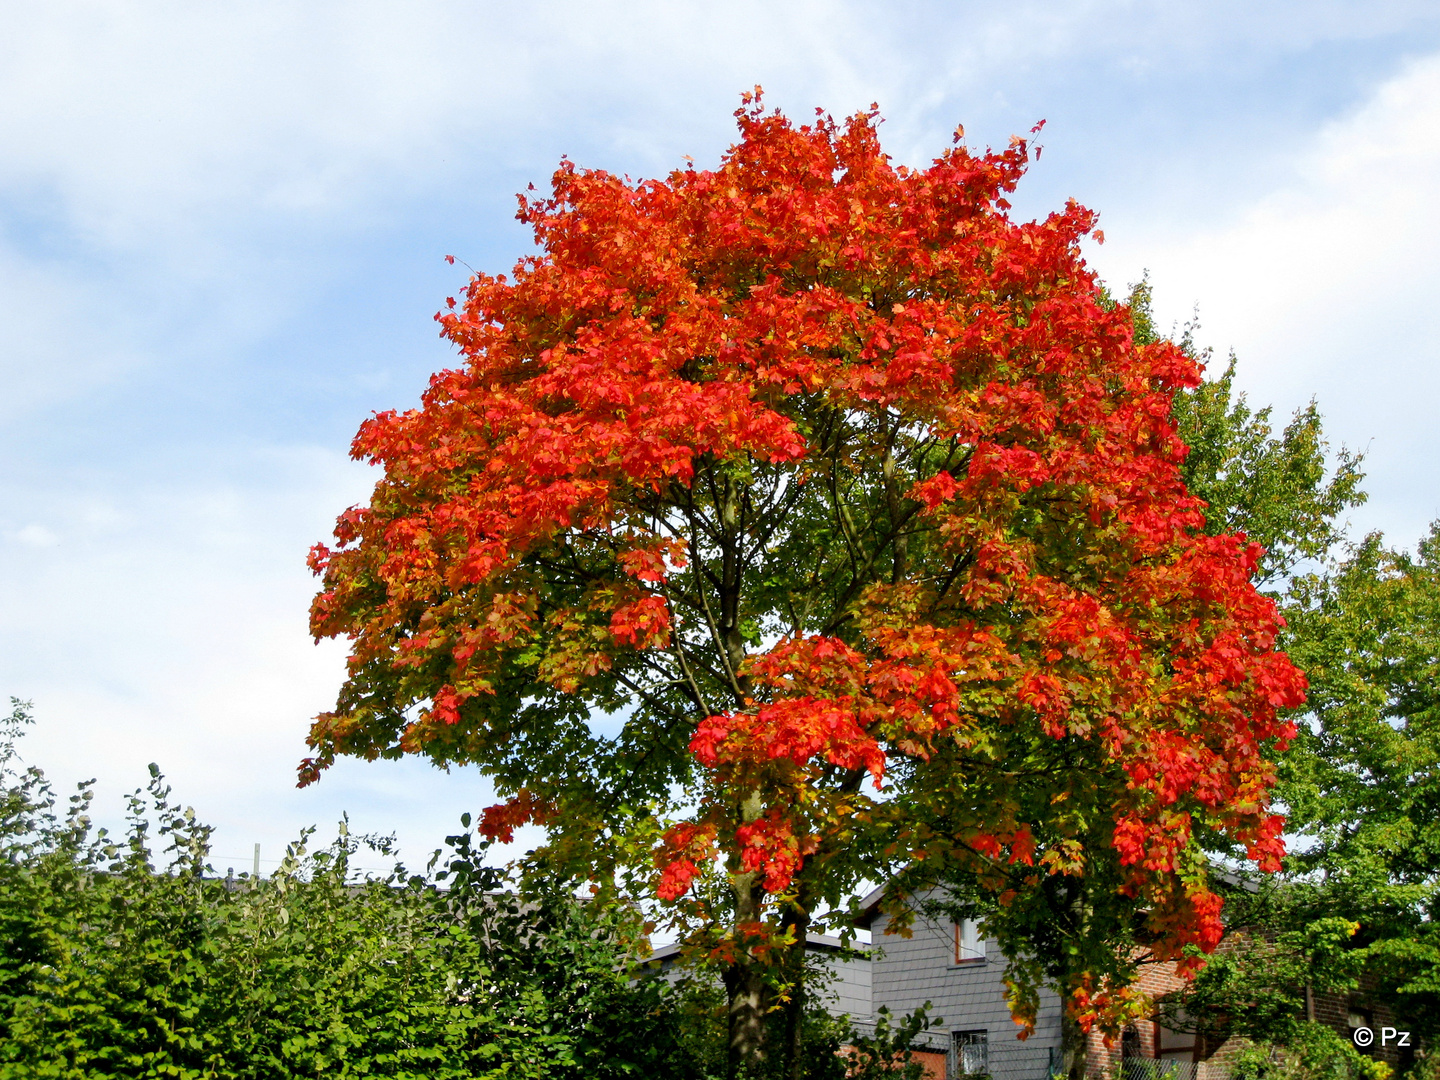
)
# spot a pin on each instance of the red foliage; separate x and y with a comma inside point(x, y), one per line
point(681, 858)
point(1058, 591)
point(500, 821)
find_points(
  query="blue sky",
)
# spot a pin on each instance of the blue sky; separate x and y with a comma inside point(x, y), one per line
point(221, 239)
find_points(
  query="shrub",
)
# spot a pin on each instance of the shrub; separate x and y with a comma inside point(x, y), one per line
point(116, 964)
point(1312, 1052)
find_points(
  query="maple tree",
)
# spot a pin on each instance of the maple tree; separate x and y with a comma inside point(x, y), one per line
point(839, 492)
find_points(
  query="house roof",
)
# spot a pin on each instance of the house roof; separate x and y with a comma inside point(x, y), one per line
point(869, 907)
point(870, 902)
point(819, 943)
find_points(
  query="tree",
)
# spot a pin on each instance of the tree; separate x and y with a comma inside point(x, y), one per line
point(1363, 783)
point(819, 473)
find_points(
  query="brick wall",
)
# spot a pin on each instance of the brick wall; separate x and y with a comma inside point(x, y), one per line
point(934, 1064)
point(1155, 980)
point(1333, 1010)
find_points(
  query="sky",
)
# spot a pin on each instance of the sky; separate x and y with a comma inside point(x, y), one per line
point(222, 240)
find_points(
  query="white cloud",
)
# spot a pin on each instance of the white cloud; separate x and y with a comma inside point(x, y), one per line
point(1356, 222)
point(36, 536)
point(139, 117)
point(182, 185)
point(173, 630)
point(57, 334)
point(1327, 286)
point(170, 114)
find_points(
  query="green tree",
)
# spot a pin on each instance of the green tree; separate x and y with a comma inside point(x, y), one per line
point(1363, 783)
point(1281, 951)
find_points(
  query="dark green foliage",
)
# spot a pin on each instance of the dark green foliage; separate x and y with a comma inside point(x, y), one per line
point(886, 1053)
point(701, 1004)
point(1361, 787)
point(1311, 1052)
point(114, 966)
point(1255, 986)
point(1364, 784)
point(1280, 491)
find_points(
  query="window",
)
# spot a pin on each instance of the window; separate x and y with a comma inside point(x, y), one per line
point(1357, 1019)
point(971, 1053)
point(1130, 1043)
point(969, 948)
point(1174, 1044)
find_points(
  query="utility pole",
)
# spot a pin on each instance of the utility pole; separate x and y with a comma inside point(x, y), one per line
point(256, 875)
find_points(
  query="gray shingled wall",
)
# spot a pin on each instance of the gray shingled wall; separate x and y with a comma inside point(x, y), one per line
point(902, 974)
point(906, 973)
point(849, 989)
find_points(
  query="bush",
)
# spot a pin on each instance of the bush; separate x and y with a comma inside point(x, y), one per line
point(115, 965)
point(1312, 1052)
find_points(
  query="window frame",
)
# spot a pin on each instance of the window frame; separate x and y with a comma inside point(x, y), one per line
point(958, 958)
point(959, 1041)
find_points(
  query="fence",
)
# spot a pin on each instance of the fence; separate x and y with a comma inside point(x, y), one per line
point(1147, 1069)
point(1007, 1061)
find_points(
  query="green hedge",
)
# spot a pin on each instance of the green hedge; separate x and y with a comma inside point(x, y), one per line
point(121, 961)
point(117, 963)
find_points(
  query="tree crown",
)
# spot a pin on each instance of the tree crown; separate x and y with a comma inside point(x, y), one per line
point(861, 510)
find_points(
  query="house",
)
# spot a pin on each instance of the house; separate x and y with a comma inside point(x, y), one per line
point(961, 976)
point(949, 966)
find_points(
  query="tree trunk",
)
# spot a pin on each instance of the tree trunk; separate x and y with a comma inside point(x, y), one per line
point(748, 993)
point(1074, 1045)
point(799, 920)
point(746, 988)
point(1074, 1048)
